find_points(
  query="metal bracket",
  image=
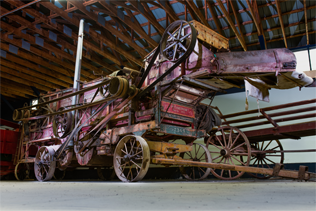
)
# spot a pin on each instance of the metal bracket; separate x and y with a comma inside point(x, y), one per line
point(276, 169)
point(301, 173)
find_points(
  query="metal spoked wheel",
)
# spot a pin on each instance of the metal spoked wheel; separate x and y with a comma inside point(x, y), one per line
point(178, 40)
point(266, 155)
point(59, 174)
point(62, 124)
point(229, 146)
point(44, 166)
point(199, 153)
point(131, 158)
point(22, 171)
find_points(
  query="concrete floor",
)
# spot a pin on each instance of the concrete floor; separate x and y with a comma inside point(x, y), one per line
point(158, 195)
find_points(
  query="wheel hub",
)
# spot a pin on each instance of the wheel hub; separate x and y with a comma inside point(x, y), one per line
point(225, 152)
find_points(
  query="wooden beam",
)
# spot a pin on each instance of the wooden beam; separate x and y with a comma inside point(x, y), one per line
point(168, 9)
point(143, 8)
point(11, 97)
point(8, 91)
point(17, 87)
point(236, 18)
point(191, 12)
point(54, 49)
point(198, 13)
point(306, 24)
point(254, 17)
point(125, 19)
point(49, 81)
point(243, 44)
point(281, 20)
point(214, 16)
point(107, 26)
point(93, 33)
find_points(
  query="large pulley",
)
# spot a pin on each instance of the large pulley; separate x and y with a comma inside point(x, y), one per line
point(178, 41)
point(62, 124)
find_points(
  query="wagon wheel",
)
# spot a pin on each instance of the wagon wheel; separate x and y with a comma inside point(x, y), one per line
point(105, 173)
point(22, 171)
point(44, 166)
point(178, 40)
point(201, 154)
point(62, 124)
point(265, 157)
point(59, 174)
point(131, 158)
point(232, 147)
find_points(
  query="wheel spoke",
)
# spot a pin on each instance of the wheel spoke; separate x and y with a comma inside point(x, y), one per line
point(179, 31)
point(270, 160)
point(180, 45)
point(202, 170)
point(266, 163)
point(224, 138)
point(239, 160)
point(235, 140)
point(219, 141)
point(125, 148)
point(201, 155)
point(185, 36)
point(124, 151)
point(169, 46)
point(171, 35)
point(217, 157)
point(135, 164)
point(136, 153)
point(267, 145)
point(175, 52)
point(215, 145)
point(230, 138)
point(237, 146)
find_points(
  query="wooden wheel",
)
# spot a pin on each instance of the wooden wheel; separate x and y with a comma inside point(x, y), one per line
point(22, 171)
point(131, 158)
point(201, 154)
point(229, 146)
point(264, 156)
point(44, 166)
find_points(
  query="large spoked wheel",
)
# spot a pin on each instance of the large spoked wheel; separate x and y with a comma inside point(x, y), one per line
point(266, 155)
point(178, 40)
point(229, 146)
point(131, 158)
point(62, 124)
point(44, 166)
point(199, 153)
point(22, 171)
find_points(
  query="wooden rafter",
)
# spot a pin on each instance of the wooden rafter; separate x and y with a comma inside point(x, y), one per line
point(198, 13)
point(281, 20)
point(146, 12)
point(74, 21)
point(306, 24)
point(243, 44)
point(107, 26)
point(166, 6)
point(236, 18)
point(17, 87)
point(214, 16)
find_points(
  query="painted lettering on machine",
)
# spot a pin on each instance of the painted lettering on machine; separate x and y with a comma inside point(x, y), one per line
point(178, 109)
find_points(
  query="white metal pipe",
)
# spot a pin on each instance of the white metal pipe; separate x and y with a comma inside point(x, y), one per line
point(76, 85)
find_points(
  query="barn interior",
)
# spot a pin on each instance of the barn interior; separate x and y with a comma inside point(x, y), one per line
point(39, 60)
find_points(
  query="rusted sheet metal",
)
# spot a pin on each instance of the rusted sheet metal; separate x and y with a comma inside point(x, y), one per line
point(270, 60)
point(177, 109)
point(167, 148)
point(138, 128)
point(264, 171)
point(181, 131)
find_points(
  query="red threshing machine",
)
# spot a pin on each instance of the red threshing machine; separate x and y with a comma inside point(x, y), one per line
point(129, 119)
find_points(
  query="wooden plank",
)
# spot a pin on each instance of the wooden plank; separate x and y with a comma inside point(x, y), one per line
point(22, 80)
point(11, 85)
point(49, 81)
point(243, 44)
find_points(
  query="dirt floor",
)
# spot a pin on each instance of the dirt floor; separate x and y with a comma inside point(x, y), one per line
point(158, 195)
